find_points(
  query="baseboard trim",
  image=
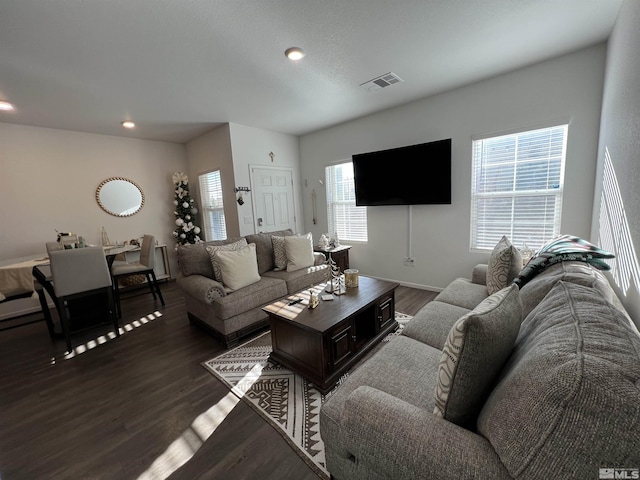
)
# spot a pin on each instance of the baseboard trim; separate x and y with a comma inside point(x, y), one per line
point(20, 307)
point(409, 284)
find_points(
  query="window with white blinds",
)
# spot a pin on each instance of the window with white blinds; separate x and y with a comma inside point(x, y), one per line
point(517, 185)
point(345, 220)
point(214, 224)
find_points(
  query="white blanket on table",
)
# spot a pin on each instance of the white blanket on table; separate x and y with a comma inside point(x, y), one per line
point(17, 278)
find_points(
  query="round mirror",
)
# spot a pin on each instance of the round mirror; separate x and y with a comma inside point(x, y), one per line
point(120, 196)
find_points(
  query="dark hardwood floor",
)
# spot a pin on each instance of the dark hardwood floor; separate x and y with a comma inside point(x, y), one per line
point(137, 406)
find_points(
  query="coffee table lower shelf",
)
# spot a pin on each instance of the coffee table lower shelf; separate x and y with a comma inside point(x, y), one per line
point(324, 343)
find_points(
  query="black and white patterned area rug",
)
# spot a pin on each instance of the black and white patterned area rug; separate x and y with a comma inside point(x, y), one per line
point(285, 399)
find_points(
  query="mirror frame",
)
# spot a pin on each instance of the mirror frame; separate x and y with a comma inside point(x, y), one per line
point(111, 179)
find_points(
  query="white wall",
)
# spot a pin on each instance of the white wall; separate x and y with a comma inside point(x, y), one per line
point(48, 181)
point(233, 149)
point(251, 146)
point(208, 152)
point(616, 224)
point(565, 88)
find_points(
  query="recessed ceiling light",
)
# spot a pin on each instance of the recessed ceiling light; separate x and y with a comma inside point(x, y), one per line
point(6, 106)
point(294, 53)
point(128, 124)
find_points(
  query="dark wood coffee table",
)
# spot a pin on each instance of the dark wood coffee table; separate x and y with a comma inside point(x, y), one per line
point(321, 344)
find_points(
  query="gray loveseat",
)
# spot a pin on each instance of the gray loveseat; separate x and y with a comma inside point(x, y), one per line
point(563, 402)
point(230, 316)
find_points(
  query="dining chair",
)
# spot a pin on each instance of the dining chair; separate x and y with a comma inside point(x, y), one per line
point(143, 267)
point(77, 273)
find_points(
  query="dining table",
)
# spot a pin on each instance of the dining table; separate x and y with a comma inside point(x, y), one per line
point(31, 276)
point(16, 280)
point(16, 283)
point(112, 251)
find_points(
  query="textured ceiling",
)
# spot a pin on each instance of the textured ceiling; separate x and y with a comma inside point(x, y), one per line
point(180, 67)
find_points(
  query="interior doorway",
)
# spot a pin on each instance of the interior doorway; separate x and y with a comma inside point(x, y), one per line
point(273, 200)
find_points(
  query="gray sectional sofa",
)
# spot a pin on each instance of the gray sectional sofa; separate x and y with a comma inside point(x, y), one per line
point(230, 316)
point(534, 383)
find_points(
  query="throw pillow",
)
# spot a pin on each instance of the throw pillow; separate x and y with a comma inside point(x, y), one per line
point(505, 263)
point(279, 253)
point(264, 248)
point(193, 259)
point(213, 249)
point(299, 251)
point(478, 345)
point(239, 268)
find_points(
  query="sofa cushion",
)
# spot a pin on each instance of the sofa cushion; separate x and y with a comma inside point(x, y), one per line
point(403, 368)
point(431, 325)
point(463, 293)
point(505, 263)
point(193, 259)
point(299, 251)
point(579, 272)
point(247, 298)
point(301, 279)
point(477, 346)
point(239, 268)
point(569, 391)
point(213, 258)
point(264, 248)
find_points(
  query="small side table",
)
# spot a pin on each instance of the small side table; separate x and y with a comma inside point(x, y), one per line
point(340, 255)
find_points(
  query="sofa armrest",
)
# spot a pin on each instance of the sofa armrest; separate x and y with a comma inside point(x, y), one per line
point(201, 287)
point(319, 258)
point(400, 440)
point(479, 274)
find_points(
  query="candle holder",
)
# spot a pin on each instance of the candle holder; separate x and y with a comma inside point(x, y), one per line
point(351, 278)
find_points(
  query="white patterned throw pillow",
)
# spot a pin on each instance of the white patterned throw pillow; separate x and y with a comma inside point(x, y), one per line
point(505, 264)
point(477, 346)
point(212, 249)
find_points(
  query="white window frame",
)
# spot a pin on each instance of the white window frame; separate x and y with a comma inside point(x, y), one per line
point(344, 218)
point(211, 199)
point(491, 172)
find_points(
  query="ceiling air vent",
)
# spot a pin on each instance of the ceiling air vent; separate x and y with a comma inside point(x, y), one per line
point(381, 82)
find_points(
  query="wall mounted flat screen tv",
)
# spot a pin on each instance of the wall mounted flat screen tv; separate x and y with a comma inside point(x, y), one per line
point(412, 175)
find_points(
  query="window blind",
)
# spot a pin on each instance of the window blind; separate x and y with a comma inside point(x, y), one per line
point(214, 224)
point(517, 187)
point(345, 219)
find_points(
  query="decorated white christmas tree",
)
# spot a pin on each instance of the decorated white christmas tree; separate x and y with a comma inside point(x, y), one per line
point(186, 231)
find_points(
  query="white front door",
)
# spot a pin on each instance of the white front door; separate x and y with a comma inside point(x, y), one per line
point(273, 199)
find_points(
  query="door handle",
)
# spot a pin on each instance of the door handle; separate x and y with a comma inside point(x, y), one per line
point(259, 222)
